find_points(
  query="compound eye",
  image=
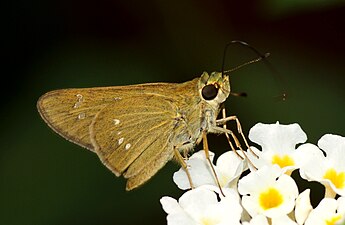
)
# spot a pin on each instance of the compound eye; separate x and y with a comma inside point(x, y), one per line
point(209, 92)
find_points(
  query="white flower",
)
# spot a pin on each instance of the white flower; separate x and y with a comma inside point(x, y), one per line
point(228, 169)
point(330, 169)
point(267, 192)
point(269, 196)
point(200, 206)
point(278, 143)
point(328, 212)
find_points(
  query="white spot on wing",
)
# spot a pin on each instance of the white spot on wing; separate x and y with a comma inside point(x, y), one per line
point(128, 146)
point(116, 121)
point(118, 133)
point(81, 116)
point(121, 141)
point(80, 99)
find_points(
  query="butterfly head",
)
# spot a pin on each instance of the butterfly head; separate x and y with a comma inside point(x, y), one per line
point(214, 88)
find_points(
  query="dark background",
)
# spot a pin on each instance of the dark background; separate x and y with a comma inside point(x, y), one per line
point(60, 44)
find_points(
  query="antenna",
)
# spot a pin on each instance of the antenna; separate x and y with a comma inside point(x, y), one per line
point(262, 57)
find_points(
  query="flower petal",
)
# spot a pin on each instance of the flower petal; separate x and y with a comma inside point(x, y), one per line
point(229, 167)
point(283, 220)
point(334, 146)
point(199, 169)
point(257, 220)
point(277, 137)
point(303, 206)
point(181, 219)
point(195, 200)
point(257, 180)
point(176, 215)
point(170, 205)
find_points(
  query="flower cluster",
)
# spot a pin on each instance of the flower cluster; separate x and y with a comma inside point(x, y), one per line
point(266, 194)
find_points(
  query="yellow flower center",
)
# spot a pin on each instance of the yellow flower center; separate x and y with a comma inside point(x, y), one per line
point(333, 220)
point(209, 221)
point(338, 179)
point(283, 161)
point(270, 198)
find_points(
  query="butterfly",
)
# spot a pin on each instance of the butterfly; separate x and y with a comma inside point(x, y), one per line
point(136, 129)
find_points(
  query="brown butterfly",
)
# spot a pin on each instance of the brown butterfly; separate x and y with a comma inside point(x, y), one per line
point(136, 129)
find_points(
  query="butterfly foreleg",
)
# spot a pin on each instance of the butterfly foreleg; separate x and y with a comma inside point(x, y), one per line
point(228, 132)
point(228, 137)
point(225, 119)
point(213, 127)
point(239, 127)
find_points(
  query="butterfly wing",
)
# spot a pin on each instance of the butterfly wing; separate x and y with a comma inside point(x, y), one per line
point(69, 112)
point(132, 136)
point(129, 127)
point(134, 129)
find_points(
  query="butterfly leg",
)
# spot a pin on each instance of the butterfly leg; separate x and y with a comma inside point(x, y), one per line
point(227, 132)
point(207, 154)
point(181, 160)
point(239, 127)
point(228, 137)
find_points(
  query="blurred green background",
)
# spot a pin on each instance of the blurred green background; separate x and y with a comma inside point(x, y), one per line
point(62, 44)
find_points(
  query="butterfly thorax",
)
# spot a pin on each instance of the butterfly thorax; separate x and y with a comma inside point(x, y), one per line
point(199, 112)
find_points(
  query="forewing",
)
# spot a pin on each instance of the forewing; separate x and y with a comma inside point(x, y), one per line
point(131, 133)
point(69, 112)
